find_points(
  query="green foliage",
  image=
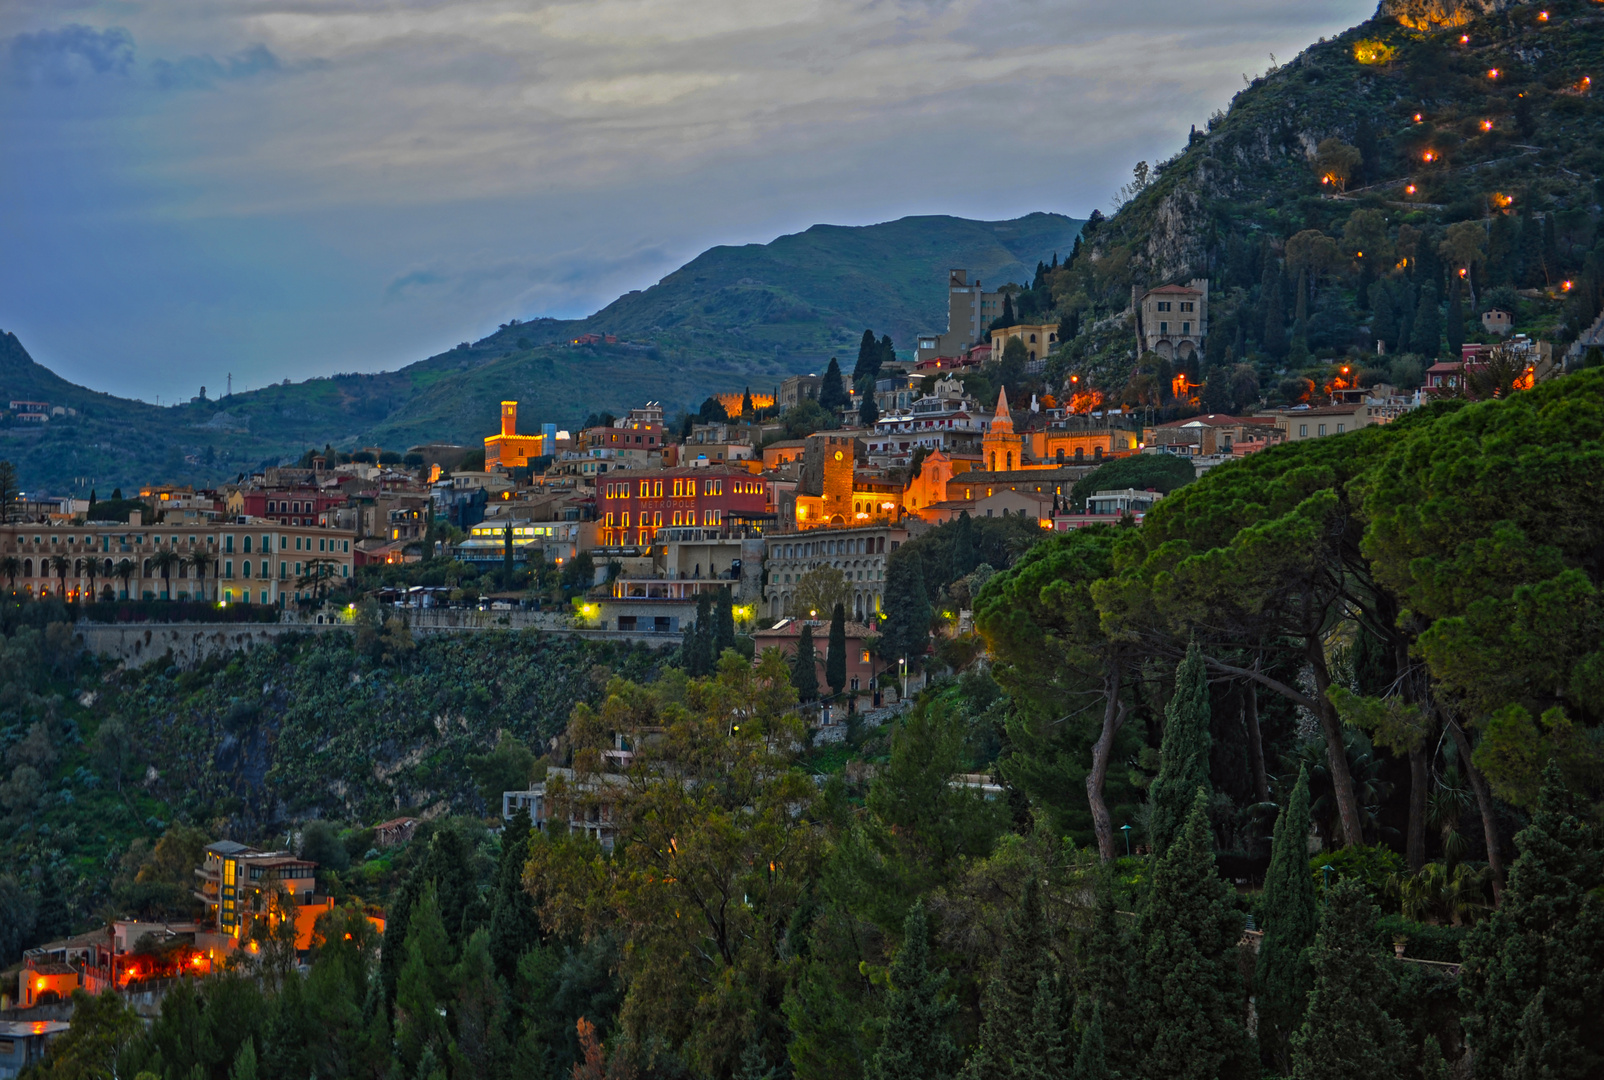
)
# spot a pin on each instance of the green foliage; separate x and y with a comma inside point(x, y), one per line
point(917, 1044)
point(1187, 996)
point(804, 666)
point(1160, 472)
point(1018, 1015)
point(1281, 972)
point(509, 767)
point(833, 390)
point(1533, 979)
point(1347, 1031)
point(1183, 755)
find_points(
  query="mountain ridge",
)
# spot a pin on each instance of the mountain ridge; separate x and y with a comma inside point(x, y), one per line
point(736, 315)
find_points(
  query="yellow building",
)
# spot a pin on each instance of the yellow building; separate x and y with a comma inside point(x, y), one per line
point(1038, 340)
point(1005, 450)
point(510, 449)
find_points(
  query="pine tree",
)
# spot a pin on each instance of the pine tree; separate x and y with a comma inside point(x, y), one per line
point(1104, 968)
point(478, 1011)
point(1183, 753)
point(804, 670)
point(832, 391)
point(1533, 978)
point(916, 1044)
point(1008, 1005)
point(1281, 972)
point(1347, 1033)
point(1188, 1002)
point(514, 926)
point(835, 661)
point(1091, 1062)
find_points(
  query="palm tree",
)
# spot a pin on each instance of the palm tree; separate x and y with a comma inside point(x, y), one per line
point(91, 571)
point(164, 561)
point(126, 571)
point(200, 559)
point(11, 566)
point(61, 564)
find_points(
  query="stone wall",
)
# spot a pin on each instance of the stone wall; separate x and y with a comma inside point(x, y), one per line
point(137, 644)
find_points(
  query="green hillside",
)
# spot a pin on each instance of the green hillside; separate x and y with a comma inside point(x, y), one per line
point(1363, 176)
point(732, 317)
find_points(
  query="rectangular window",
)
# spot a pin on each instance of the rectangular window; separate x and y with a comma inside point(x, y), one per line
point(267, 544)
point(228, 566)
point(283, 570)
point(1186, 328)
point(1339, 429)
point(1163, 327)
point(1303, 431)
point(1322, 429)
point(345, 545)
point(624, 520)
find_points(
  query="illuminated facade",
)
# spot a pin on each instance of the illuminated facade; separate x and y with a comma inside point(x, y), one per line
point(631, 509)
point(511, 450)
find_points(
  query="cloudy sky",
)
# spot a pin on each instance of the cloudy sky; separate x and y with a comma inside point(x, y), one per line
point(283, 188)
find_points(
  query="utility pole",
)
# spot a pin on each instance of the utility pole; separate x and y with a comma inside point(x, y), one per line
point(230, 384)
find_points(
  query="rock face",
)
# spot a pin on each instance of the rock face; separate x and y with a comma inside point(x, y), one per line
point(1436, 14)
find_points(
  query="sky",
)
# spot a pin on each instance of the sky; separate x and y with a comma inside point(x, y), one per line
point(272, 189)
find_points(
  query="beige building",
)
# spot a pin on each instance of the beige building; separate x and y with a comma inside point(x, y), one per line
point(1172, 320)
point(1038, 340)
point(970, 309)
point(1304, 424)
point(859, 553)
point(247, 560)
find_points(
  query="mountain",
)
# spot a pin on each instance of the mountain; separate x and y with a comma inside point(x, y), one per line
point(732, 317)
point(1439, 136)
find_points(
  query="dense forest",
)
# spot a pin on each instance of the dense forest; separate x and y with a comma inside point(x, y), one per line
point(1343, 694)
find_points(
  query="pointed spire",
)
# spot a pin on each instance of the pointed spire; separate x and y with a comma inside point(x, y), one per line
point(1002, 412)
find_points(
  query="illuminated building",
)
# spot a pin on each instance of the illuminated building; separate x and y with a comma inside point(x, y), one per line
point(511, 450)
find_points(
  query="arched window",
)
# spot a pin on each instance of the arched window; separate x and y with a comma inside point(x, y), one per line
point(27, 568)
point(1010, 459)
point(145, 572)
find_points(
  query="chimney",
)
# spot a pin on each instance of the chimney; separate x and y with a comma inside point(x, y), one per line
point(136, 518)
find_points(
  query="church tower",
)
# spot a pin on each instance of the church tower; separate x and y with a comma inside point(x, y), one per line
point(1004, 451)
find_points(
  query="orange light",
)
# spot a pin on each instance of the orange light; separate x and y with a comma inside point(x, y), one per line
point(1487, 125)
point(1418, 118)
point(1464, 39)
point(1492, 73)
point(1502, 201)
point(39, 984)
point(1074, 378)
point(1542, 16)
point(1566, 286)
point(196, 961)
point(1428, 156)
point(1410, 190)
point(1358, 254)
point(1462, 271)
point(1325, 179)
point(1344, 370)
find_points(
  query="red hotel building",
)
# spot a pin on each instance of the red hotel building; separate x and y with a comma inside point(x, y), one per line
point(630, 508)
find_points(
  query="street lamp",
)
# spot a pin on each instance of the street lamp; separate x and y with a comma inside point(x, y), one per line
point(1126, 829)
point(1327, 870)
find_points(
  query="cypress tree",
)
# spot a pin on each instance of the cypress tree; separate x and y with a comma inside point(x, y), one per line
point(964, 557)
point(1347, 1033)
point(804, 672)
point(1044, 1049)
point(1533, 978)
point(1091, 1062)
point(868, 411)
point(1008, 310)
point(1008, 1005)
point(747, 411)
point(1456, 318)
point(423, 985)
point(832, 391)
point(1187, 998)
point(1275, 317)
point(907, 608)
point(244, 1067)
point(724, 624)
point(868, 358)
point(1183, 753)
point(1425, 337)
point(1281, 973)
point(1104, 968)
point(506, 556)
point(917, 1044)
point(888, 353)
point(835, 661)
point(514, 926)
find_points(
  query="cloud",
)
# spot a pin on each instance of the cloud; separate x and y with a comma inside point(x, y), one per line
point(200, 72)
point(71, 54)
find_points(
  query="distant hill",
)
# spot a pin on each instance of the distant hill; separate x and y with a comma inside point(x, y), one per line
point(732, 317)
point(1458, 135)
